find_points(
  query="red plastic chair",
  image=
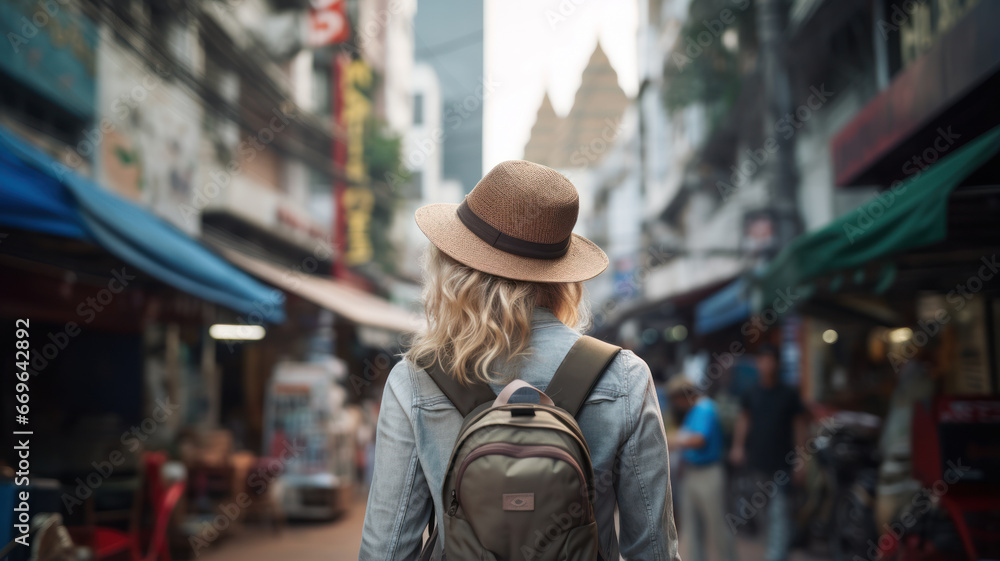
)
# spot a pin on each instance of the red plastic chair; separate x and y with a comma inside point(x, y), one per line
point(108, 542)
point(153, 466)
point(158, 546)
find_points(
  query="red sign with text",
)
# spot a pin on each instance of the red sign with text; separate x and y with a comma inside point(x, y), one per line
point(327, 23)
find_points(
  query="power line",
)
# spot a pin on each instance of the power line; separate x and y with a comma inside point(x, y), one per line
point(452, 44)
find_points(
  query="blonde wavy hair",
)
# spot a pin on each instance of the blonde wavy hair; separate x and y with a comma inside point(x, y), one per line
point(477, 321)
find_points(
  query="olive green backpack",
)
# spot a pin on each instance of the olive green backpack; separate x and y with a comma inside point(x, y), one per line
point(520, 484)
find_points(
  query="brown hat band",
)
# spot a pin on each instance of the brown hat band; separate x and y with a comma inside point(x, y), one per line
point(510, 244)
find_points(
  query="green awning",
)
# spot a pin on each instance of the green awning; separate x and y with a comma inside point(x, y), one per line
point(912, 214)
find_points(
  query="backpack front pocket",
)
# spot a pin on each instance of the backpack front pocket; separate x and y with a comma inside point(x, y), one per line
point(527, 494)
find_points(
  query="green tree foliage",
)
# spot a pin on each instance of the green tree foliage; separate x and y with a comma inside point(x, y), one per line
point(383, 158)
point(702, 68)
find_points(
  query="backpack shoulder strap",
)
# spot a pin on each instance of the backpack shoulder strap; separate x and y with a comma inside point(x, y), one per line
point(464, 398)
point(579, 372)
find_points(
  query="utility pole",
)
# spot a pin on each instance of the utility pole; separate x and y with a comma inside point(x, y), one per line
point(779, 173)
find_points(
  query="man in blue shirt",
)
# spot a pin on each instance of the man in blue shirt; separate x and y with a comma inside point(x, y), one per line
point(703, 476)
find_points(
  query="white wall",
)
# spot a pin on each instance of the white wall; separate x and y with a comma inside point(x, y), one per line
point(422, 153)
point(820, 201)
point(147, 134)
point(397, 19)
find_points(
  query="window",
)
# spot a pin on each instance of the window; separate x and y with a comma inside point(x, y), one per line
point(321, 94)
point(412, 189)
point(27, 106)
point(418, 109)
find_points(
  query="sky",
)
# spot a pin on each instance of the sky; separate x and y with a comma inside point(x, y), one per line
point(534, 46)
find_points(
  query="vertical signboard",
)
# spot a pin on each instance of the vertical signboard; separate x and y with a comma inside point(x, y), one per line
point(358, 199)
point(327, 23)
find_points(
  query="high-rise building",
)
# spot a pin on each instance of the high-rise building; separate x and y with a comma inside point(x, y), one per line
point(449, 37)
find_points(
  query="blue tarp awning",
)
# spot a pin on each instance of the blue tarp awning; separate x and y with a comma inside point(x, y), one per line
point(724, 308)
point(40, 194)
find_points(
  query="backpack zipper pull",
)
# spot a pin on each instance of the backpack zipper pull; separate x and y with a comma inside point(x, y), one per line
point(454, 504)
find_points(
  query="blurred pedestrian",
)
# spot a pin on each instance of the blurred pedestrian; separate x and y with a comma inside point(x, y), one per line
point(504, 300)
point(771, 429)
point(703, 476)
point(918, 382)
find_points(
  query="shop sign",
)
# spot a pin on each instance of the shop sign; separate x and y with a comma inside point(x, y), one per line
point(327, 23)
point(791, 353)
point(50, 48)
point(971, 357)
point(971, 411)
point(758, 231)
point(967, 432)
point(358, 200)
point(291, 221)
point(625, 278)
point(358, 203)
point(921, 23)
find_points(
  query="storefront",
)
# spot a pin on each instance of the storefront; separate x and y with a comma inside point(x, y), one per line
point(900, 297)
point(923, 246)
point(118, 305)
point(918, 261)
point(329, 321)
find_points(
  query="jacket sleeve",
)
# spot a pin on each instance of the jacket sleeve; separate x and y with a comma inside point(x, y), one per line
point(399, 502)
point(645, 504)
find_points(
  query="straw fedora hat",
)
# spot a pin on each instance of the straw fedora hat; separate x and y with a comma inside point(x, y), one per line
point(517, 223)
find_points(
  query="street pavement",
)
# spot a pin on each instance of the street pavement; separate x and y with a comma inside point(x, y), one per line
point(340, 540)
point(328, 541)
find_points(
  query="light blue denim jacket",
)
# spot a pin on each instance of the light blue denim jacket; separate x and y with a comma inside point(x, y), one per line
point(621, 421)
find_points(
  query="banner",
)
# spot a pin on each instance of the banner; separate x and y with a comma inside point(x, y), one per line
point(358, 200)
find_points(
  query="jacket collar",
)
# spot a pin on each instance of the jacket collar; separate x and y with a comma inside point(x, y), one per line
point(543, 316)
